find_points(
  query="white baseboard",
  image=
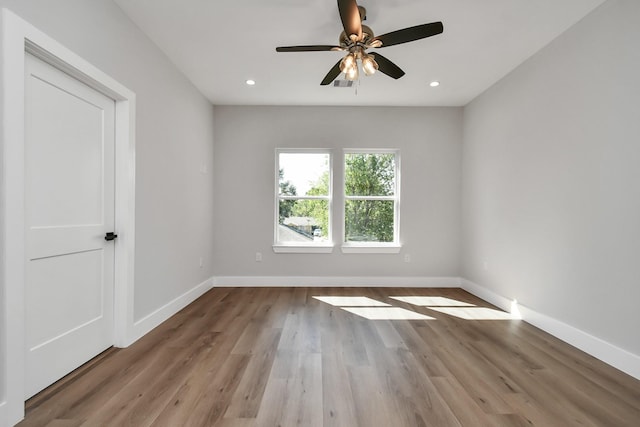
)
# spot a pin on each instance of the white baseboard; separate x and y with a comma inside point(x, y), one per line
point(11, 414)
point(618, 358)
point(335, 281)
point(149, 322)
point(3, 414)
point(486, 294)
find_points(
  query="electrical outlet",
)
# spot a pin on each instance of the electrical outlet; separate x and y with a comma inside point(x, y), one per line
point(407, 258)
point(258, 256)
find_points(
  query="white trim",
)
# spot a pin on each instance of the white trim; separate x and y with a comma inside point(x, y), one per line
point(303, 249)
point(3, 414)
point(615, 356)
point(370, 248)
point(336, 281)
point(151, 321)
point(18, 36)
point(125, 178)
point(486, 294)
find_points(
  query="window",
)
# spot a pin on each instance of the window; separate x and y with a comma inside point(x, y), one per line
point(371, 201)
point(368, 220)
point(303, 208)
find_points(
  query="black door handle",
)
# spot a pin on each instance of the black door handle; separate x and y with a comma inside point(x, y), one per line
point(110, 236)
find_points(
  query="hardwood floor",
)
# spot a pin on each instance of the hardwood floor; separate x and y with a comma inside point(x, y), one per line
point(248, 357)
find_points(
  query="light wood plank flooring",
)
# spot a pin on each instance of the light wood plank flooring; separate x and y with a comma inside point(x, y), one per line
point(248, 357)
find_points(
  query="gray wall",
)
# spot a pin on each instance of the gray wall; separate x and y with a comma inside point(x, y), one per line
point(551, 179)
point(551, 183)
point(429, 140)
point(174, 137)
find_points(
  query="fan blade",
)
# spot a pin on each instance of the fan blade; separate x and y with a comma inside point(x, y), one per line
point(332, 74)
point(312, 48)
point(387, 67)
point(410, 34)
point(350, 16)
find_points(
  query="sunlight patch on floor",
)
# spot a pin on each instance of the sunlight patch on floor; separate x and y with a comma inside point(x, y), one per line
point(372, 309)
point(423, 301)
point(386, 313)
point(474, 313)
point(351, 301)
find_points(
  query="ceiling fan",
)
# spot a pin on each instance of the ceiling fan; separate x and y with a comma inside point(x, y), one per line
point(357, 38)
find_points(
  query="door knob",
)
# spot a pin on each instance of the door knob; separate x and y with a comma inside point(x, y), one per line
point(110, 236)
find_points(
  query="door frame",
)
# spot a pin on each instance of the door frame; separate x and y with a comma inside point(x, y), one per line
point(18, 38)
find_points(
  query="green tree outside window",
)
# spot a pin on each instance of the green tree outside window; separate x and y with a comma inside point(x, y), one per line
point(370, 186)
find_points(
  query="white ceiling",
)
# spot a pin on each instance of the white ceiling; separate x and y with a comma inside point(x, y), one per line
point(218, 45)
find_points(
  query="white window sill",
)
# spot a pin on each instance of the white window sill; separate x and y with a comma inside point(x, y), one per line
point(303, 249)
point(371, 249)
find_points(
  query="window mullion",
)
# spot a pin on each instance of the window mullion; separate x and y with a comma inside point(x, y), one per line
point(370, 197)
point(286, 197)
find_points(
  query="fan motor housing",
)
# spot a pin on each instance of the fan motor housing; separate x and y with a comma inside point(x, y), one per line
point(345, 41)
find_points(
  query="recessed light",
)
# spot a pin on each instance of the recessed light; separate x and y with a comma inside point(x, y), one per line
point(434, 83)
point(250, 82)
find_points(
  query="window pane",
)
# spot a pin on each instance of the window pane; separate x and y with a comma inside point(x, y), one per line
point(369, 220)
point(303, 221)
point(370, 174)
point(304, 174)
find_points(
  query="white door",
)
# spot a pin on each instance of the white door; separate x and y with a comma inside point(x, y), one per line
point(69, 191)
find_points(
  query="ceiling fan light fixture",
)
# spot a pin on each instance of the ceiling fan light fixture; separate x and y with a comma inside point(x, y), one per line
point(369, 65)
point(347, 63)
point(352, 73)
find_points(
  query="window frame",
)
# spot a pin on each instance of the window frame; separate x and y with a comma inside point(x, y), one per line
point(302, 247)
point(372, 247)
